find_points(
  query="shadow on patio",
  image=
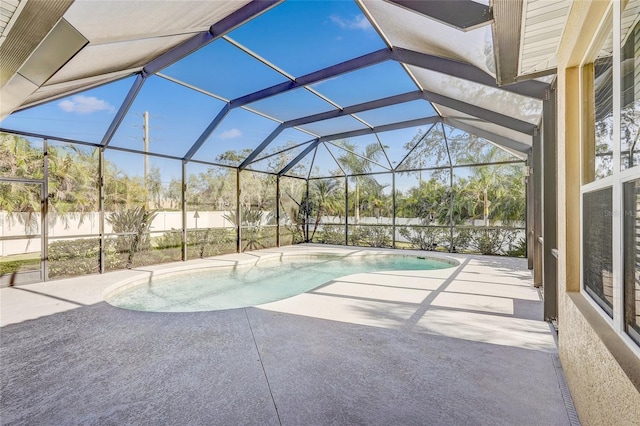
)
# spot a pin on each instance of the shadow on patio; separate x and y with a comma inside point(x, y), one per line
point(485, 299)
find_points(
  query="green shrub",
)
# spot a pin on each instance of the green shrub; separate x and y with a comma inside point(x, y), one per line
point(295, 234)
point(519, 249)
point(370, 236)
point(210, 242)
point(490, 241)
point(168, 240)
point(74, 257)
point(426, 238)
point(330, 235)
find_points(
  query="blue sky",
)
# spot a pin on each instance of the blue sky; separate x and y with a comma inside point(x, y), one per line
point(298, 37)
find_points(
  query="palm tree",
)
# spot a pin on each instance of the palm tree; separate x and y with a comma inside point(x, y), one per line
point(358, 165)
point(324, 192)
point(484, 179)
point(72, 183)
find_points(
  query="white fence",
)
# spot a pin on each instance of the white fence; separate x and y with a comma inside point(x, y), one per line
point(21, 224)
point(17, 225)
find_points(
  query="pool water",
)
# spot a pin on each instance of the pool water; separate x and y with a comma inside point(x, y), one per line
point(266, 281)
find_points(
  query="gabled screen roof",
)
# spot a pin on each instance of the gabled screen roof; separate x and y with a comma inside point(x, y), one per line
point(246, 84)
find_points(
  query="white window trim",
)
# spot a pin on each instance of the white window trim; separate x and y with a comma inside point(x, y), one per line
point(617, 259)
point(615, 181)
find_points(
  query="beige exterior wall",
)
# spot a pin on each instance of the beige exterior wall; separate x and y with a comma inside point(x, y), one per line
point(601, 371)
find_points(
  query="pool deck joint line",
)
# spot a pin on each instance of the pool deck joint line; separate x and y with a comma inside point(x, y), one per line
point(462, 345)
point(266, 378)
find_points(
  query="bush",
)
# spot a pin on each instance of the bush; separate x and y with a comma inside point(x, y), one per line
point(170, 239)
point(210, 242)
point(425, 238)
point(330, 235)
point(74, 257)
point(370, 236)
point(519, 249)
point(294, 232)
point(490, 241)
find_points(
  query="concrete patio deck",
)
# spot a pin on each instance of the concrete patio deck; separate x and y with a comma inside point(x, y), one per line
point(460, 346)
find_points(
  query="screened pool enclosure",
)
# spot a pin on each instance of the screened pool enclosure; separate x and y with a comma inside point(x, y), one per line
point(246, 125)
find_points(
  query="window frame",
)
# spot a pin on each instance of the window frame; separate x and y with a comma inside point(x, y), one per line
point(610, 23)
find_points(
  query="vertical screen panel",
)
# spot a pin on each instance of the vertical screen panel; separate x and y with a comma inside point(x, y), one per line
point(74, 210)
point(211, 206)
point(326, 211)
point(257, 210)
point(73, 190)
point(292, 210)
point(21, 157)
point(20, 218)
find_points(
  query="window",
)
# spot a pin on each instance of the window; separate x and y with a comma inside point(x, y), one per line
point(598, 149)
point(630, 86)
point(597, 249)
point(611, 170)
point(597, 167)
point(629, 155)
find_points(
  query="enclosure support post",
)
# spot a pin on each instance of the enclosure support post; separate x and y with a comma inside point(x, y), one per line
point(183, 200)
point(393, 208)
point(452, 247)
point(238, 214)
point(44, 213)
point(306, 214)
point(101, 209)
point(529, 211)
point(346, 210)
point(537, 209)
point(451, 224)
point(549, 228)
point(277, 211)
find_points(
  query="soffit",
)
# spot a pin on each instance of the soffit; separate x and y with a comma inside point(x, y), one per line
point(9, 12)
point(26, 33)
point(542, 28)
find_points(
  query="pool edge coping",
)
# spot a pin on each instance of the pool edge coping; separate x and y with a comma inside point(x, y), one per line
point(256, 256)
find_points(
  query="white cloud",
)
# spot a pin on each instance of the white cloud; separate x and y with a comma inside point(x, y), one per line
point(85, 105)
point(230, 134)
point(357, 23)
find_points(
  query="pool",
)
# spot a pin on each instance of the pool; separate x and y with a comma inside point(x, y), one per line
point(266, 281)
